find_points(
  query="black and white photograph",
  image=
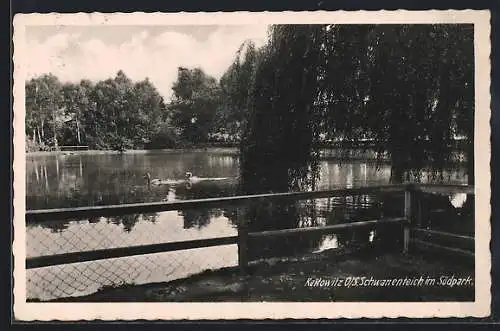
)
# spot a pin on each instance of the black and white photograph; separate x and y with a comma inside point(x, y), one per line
point(253, 161)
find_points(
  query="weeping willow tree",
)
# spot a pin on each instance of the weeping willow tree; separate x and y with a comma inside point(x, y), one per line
point(407, 88)
point(279, 146)
point(279, 149)
point(235, 85)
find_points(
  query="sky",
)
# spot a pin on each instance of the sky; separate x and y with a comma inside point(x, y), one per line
point(73, 53)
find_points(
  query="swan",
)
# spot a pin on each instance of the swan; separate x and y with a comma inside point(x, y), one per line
point(158, 182)
point(190, 178)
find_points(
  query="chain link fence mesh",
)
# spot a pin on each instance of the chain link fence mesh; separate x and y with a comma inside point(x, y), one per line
point(79, 279)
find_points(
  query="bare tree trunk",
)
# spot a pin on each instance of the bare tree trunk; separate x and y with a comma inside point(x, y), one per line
point(43, 132)
point(56, 146)
point(78, 132)
point(55, 134)
point(40, 116)
point(39, 136)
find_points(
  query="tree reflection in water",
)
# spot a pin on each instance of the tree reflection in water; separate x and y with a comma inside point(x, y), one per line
point(127, 221)
point(322, 212)
point(94, 180)
point(53, 226)
point(121, 186)
point(193, 218)
point(200, 217)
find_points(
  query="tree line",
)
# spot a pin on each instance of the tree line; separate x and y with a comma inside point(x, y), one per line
point(111, 114)
point(119, 114)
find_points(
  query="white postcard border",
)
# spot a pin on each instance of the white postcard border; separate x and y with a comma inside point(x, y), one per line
point(260, 310)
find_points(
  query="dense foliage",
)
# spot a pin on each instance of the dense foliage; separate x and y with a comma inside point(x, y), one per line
point(120, 114)
point(283, 127)
point(409, 89)
point(112, 114)
point(194, 105)
point(235, 85)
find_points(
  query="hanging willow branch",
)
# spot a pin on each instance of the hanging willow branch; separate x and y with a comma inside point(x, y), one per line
point(406, 88)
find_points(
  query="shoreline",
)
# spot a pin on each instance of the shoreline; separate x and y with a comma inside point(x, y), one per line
point(228, 150)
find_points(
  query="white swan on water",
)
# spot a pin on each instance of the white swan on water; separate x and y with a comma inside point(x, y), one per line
point(193, 179)
point(189, 178)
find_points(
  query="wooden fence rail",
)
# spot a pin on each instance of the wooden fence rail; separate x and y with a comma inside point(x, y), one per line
point(444, 234)
point(241, 239)
point(426, 244)
point(108, 253)
point(326, 229)
point(41, 215)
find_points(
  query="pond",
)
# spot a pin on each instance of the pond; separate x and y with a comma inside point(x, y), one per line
point(96, 178)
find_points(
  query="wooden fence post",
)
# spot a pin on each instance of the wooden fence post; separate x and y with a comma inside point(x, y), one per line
point(417, 208)
point(408, 216)
point(242, 239)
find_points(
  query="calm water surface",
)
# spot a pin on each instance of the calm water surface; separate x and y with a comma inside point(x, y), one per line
point(59, 181)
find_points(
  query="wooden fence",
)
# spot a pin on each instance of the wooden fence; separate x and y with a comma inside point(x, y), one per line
point(410, 221)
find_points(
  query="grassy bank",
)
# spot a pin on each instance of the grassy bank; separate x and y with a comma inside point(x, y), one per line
point(290, 280)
